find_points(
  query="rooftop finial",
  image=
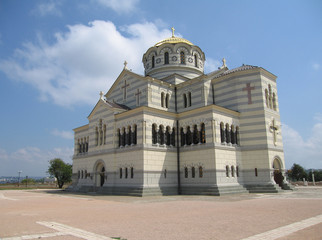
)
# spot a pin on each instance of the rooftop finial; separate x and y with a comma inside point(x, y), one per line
point(101, 95)
point(223, 63)
point(172, 31)
point(125, 63)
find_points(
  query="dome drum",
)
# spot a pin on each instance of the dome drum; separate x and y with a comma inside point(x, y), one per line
point(174, 55)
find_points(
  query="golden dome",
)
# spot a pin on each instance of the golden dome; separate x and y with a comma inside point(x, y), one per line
point(173, 40)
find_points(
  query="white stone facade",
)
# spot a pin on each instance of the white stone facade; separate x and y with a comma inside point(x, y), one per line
point(177, 130)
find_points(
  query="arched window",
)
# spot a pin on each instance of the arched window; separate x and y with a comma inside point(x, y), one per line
point(101, 132)
point(166, 58)
point(161, 135)
point(227, 133)
point(78, 174)
point(270, 96)
point(227, 171)
point(129, 136)
point(87, 144)
point(203, 133)
point(167, 100)
point(186, 172)
point(184, 100)
point(274, 101)
point(104, 134)
point(119, 137)
point(82, 174)
point(232, 171)
point(124, 137)
point(196, 60)
point(165, 173)
point(167, 136)
point(188, 136)
point(152, 61)
point(200, 172)
point(237, 136)
point(134, 141)
point(256, 173)
point(79, 146)
point(154, 134)
point(266, 98)
point(182, 58)
point(183, 137)
point(126, 173)
point(193, 172)
point(232, 134)
point(189, 99)
point(85, 174)
point(222, 133)
point(162, 99)
point(173, 137)
point(132, 172)
point(96, 136)
point(195, 135)
point(237, 171)
point(121, 172)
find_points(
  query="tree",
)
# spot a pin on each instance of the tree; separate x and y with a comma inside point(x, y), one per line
point(317, 175)
point(297, 172)
point(60, 170)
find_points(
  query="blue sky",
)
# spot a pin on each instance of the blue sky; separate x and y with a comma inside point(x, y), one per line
point(55, 57)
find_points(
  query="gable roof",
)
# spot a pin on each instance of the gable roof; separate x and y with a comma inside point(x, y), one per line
point(117, 105)
point(109, 105)
point(238, 69)
point(120, 77)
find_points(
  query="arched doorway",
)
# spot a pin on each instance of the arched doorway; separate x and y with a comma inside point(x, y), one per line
point(99, 174)
point(102, 176)
point(278, 175)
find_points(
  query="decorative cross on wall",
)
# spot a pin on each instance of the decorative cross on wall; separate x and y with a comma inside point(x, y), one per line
point(274, 129)
point(137, 94)
point(124, 89)
point(248, 88)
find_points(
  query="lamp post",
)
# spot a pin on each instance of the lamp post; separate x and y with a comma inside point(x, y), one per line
point(19, 177)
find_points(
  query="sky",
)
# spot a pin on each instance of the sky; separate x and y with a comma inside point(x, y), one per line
point(56, 56)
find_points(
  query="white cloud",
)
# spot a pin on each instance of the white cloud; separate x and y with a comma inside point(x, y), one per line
point(48, 8)
point(82, 61)
point(63, 134)
point(120, 6)
point(306, 152)
point(31, 160)
point(211, 65)
point(316, 66)
point(3, 155)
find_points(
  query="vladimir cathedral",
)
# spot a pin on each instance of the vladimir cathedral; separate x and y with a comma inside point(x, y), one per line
point(177, 130)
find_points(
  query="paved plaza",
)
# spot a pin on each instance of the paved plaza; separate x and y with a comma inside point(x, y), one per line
point(52, 214)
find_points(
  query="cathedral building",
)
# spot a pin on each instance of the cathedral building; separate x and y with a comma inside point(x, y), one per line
point(177, 130)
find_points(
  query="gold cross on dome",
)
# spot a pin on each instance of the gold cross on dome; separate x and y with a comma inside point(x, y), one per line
point(172, 31)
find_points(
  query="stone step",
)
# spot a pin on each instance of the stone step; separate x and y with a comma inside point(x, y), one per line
point(265, 188)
